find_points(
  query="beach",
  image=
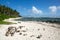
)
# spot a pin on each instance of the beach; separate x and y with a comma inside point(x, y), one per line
point(33, 31)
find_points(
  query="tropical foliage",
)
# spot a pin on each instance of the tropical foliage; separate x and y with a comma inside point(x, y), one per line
point(6, 12)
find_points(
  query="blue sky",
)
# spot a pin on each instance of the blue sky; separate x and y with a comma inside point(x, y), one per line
point(34, 8)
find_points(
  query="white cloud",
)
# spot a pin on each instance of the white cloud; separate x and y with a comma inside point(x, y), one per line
point(58, 7)
point(54, 9)
point(35, 10)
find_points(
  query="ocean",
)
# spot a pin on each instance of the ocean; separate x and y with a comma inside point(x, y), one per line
point(41, 19)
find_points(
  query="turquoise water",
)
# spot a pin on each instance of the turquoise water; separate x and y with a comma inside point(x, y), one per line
point(51, 20)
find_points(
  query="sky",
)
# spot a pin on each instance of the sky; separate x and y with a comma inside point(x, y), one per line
point(34, 8)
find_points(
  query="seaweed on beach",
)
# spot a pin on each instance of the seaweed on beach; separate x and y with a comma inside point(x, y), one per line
point(57, 22)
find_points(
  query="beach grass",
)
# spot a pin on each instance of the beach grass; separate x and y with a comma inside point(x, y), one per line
point(3, 17)
point(4, 22)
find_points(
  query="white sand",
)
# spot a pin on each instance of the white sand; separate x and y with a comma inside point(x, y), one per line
point(47, 32)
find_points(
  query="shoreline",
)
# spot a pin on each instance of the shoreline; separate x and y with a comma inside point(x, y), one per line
point(33, 29)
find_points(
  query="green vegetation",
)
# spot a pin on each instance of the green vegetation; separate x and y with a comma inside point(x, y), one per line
point(3, 22)
point(6, 12)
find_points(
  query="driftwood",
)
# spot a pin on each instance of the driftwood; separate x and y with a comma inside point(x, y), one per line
point(11, 31)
